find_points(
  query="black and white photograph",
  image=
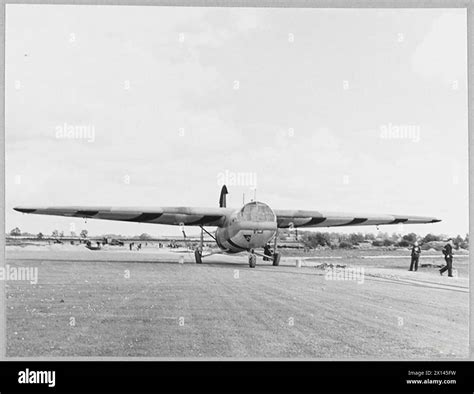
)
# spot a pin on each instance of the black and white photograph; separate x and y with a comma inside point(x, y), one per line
point(236, 183)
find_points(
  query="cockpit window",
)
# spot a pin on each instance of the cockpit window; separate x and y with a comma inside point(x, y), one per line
point(258, 212)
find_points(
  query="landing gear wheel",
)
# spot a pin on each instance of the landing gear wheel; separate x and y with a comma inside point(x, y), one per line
point(252, 261)
point(276, 259)
point(198, 256)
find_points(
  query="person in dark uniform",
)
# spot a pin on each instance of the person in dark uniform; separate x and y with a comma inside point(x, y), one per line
point(267, 252)
point(448, 257)
point(415, 256)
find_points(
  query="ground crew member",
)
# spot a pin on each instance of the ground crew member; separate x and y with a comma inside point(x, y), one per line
point(448, 257)
point(415, 256)
point(267, 252)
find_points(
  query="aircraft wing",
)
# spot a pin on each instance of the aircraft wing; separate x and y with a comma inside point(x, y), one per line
point(190, 216)
point(193, 216)
point(297, 218)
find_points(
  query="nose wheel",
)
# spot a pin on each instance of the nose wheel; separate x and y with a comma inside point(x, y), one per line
point(253, 259)
point(267, 256)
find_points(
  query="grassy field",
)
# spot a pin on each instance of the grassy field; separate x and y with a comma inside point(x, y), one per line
point(118, 303)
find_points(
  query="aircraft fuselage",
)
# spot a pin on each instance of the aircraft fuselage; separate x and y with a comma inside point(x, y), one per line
point(250, 227)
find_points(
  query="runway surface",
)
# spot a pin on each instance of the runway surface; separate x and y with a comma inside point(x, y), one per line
point(159, 303)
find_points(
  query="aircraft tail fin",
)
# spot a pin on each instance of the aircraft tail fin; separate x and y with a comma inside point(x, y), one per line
point(222, 198)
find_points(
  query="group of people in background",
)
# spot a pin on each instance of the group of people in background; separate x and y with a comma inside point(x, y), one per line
point(132, 245)
point(448, 258)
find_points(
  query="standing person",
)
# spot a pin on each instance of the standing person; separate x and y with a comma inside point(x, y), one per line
point(267, 252)
point(448, 257)
point(415, 256)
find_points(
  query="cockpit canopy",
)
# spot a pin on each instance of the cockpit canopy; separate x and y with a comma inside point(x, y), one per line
point(257, 212)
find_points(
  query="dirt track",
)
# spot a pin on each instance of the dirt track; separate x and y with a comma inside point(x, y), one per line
point(225, 309)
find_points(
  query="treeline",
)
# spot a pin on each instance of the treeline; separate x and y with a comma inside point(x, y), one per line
point(315, 239)
point(16, 232)
point(338, 240)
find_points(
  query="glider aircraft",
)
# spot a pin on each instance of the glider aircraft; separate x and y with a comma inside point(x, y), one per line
point(251, 227)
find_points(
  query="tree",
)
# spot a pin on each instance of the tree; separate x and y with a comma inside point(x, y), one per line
point(55, 233)
point(40, 236)
point(394, 238)
point(15, 232)
point(458, 241)
point(313, 240)
point(345, 245)
point(410, 238)
point(465, 243)
point(355, 238)
point(381, 235)
point(144, 236)
point(369, 237)
point(404, 243)
point(84, 233)
point(324, 239)
point(61, 234)
point(430, 238)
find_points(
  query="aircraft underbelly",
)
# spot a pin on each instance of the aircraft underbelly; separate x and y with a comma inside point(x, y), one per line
point(242, 240)
point(253, 239)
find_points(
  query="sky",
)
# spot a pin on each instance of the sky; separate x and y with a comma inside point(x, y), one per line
point(361, 110)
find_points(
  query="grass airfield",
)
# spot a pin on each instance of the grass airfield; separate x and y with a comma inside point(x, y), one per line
point(159, 303)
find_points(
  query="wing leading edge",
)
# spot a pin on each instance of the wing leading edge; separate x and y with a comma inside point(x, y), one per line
point(188, 216)
point(288, 218)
